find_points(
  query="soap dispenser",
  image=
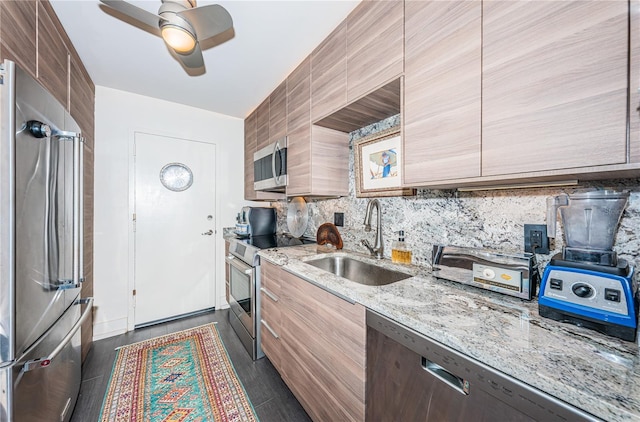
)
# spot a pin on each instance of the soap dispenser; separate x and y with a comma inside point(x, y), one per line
point(399, 251)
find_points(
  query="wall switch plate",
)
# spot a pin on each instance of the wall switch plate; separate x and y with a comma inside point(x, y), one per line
point(338, 219)
point(535, 238)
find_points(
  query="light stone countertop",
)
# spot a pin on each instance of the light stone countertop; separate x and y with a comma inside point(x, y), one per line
point(593, 372)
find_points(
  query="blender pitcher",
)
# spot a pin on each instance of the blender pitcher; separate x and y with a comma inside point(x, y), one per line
point(590, 219)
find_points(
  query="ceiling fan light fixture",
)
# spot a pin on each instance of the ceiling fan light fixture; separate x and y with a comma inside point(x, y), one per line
point(178, 38)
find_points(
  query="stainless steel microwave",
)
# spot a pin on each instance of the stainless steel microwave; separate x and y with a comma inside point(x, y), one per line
point(270, 167)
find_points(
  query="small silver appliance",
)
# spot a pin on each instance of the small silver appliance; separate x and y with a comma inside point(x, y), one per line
point(270, 167)
point(512, 274)
point(587, 284)
point(256, 221)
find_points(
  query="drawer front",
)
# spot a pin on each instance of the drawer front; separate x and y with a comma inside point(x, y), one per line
point(270, 277)
point(270, 330)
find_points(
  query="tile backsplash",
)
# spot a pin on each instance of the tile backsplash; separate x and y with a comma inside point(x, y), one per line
point(486, 219)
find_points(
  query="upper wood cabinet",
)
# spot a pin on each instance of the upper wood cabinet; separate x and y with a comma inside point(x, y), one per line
point(442, 105)
point(278, 112)
point(318, 162)
point(374, 46)
point(299, 129)
point(18, 33)
point(554, 85)
point(317, 158)
point(263, 123)
point(329, 74)
point(250, 146)
point(53, 55)
point(299, 96)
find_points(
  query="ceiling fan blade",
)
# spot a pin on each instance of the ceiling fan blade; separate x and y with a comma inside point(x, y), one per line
point(208, 21)
point(192, 60)
point(150, 19)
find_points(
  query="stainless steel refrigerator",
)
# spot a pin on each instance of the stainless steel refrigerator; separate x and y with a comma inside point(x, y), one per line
point(40, 252)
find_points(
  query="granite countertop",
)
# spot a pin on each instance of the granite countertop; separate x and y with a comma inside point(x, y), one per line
point(593, 372)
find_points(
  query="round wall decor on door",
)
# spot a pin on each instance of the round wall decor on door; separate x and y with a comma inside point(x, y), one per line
point(176, 177)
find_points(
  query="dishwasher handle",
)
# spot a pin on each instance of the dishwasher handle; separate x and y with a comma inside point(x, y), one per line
point(459, 384)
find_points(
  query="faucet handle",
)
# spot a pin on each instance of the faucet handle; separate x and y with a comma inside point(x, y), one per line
point(368, 246)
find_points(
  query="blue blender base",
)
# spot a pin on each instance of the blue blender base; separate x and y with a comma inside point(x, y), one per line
point(623, 326)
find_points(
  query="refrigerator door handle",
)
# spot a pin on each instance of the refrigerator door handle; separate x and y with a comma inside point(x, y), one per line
point(44, 362)
point(77, 271)
point(81, 212)
point(77, 210)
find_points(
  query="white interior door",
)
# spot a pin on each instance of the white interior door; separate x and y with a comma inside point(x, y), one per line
point(174, 270)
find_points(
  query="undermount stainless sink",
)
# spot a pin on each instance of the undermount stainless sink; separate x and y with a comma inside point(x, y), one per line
point(358, 271)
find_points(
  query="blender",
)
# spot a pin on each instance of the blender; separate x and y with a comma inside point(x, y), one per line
point(587, 284)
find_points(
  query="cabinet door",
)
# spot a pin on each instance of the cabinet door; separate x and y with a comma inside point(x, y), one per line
point(554, 85)
point(442, 90)
point(53, 56)
point(270, 326)
point(329, 74)
point(299, 130)
point(299, 96)
point(374, 46)
point(330, 162)
point(250, 146)
point(18, 33)
point(323, 351)
point(263, 123)
point(299, 161)
point(278, 112)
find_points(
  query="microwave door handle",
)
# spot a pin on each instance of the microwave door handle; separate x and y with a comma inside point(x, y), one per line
point(276, 149)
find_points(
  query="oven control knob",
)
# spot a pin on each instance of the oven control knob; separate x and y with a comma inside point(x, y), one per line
point(582, 290)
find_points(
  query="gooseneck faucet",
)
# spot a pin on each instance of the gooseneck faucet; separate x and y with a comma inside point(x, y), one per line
point(378, 249)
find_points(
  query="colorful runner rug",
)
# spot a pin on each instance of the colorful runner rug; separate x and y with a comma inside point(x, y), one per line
point(180, 377)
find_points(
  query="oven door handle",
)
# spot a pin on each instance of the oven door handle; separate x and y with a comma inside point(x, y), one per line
point(240, 266)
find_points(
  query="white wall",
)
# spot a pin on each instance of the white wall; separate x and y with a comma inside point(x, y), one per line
point(118, 115)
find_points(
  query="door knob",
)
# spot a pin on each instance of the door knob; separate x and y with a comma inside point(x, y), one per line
point(209, 233)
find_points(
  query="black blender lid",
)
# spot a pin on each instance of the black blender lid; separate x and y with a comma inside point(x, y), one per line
point(621, 269)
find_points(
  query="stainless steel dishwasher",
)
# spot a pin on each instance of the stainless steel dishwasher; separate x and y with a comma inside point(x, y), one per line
point(413, 378)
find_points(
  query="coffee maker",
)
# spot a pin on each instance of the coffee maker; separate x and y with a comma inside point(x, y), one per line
point(587, 284)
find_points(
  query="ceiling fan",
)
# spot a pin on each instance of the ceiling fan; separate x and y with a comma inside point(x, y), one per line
point(181, 24)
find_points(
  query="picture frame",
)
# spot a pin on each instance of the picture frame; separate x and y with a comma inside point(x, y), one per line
point(378, 165)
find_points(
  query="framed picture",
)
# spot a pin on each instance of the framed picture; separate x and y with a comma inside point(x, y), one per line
point(378, 165)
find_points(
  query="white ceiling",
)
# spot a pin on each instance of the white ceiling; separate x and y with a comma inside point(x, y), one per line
point(271, 39)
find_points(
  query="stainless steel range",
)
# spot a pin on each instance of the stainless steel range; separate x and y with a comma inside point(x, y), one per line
point(243, 285)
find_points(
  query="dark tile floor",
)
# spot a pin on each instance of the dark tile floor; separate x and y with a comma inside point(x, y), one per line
point(270, 397)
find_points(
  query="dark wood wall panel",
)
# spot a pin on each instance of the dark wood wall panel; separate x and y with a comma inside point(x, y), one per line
point(81, 104)
point(18, 33)
point(53, 58)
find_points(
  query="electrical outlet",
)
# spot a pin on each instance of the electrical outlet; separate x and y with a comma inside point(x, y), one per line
point(338, 219)
point(536, 239)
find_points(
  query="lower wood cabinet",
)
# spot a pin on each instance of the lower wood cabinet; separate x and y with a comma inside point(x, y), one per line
point(318, 162)
point(317, 342)
point(270, 315)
